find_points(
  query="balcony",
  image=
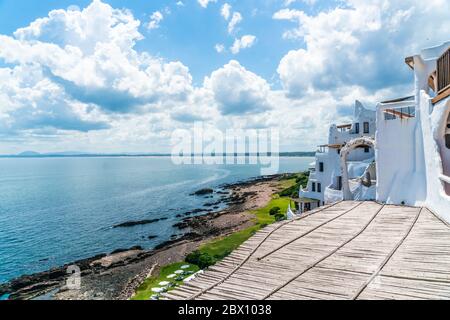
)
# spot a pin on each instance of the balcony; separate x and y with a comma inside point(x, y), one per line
point(400, 113)
point(443, 76)
point(402, 108)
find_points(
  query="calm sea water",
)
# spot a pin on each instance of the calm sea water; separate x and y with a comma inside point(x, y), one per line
point(57, 210)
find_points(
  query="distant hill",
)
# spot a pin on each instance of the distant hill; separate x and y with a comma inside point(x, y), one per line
point(29, 154)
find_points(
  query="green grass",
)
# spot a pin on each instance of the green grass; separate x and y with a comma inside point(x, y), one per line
point(144, 292)
point(222, 247)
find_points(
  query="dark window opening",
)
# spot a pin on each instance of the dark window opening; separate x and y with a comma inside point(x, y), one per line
point(366, 127)
point(356, 128)
point(339, 186)
point(321, 167)
point(319, 188)
point(447, 133)
point(313, 187)
point(366, 149)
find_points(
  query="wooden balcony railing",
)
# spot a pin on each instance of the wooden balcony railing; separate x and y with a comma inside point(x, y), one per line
point(443, 76)
point(443, 71)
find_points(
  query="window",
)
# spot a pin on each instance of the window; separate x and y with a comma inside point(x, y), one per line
point(321, 167)
point(313, 187)
point(319, 188)
point(447, 133)
point(366, 149)
point(339, 182)
point(356, 128)
point(366, 127)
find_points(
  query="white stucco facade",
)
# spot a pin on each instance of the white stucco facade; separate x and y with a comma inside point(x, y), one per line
point(413, 158)
point(324, 185)
point(408, 161)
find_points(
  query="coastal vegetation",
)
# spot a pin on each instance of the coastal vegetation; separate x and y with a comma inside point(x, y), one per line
point(213, 251)
point(166, 274)
point(293, 190)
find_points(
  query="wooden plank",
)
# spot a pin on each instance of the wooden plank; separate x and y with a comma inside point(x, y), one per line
point(326, 256)
point(386, 260)
point(441, 96)
point(367, 253)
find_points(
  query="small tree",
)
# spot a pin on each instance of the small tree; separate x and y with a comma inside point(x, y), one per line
point(202, 260)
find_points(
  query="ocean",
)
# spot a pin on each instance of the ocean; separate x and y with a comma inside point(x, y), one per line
point(57, 210)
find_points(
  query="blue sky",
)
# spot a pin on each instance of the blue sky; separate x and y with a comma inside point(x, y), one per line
point(120, 76)
point(189, 33)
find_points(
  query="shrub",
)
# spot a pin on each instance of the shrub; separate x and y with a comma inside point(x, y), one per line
point(201, 259)
point(301, 180)
point(280, 217)
point(274, 211)
point(290, 192)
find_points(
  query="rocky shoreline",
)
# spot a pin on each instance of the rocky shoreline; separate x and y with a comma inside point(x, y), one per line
point(118, 274)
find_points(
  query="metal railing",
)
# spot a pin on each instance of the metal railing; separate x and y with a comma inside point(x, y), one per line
point(402, 113)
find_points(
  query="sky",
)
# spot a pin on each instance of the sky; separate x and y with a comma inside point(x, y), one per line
point(120, 76)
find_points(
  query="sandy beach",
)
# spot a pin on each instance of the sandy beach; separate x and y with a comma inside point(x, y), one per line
point(117, 276)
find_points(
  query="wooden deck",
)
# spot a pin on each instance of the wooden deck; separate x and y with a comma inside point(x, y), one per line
point(349, 250)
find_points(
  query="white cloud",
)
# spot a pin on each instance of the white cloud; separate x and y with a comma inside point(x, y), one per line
point(204, 3)
point(244, 42)
point(78, 71)
point(77, 78)
point(31, 102)
point(308, 2)
point(362, 43)
point(235, 20)
point(237, 90)
point(91, 55)
point(155, 20)
point(226, 11)
point(220, 48)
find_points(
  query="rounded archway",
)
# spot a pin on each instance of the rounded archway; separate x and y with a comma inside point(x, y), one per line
point(352, 145)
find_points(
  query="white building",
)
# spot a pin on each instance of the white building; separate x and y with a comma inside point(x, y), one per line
point(325, 182)
point(412, 147)
point(413, 137)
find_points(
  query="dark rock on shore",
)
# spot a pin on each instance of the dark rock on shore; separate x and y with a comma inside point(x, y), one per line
point(181, 225)
point(190, 213)
point(203, 192)
point(129, 224)
point(152, 237)
point(279, 177)
point(29, 285)
point(212, 204)
point(187, 237)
